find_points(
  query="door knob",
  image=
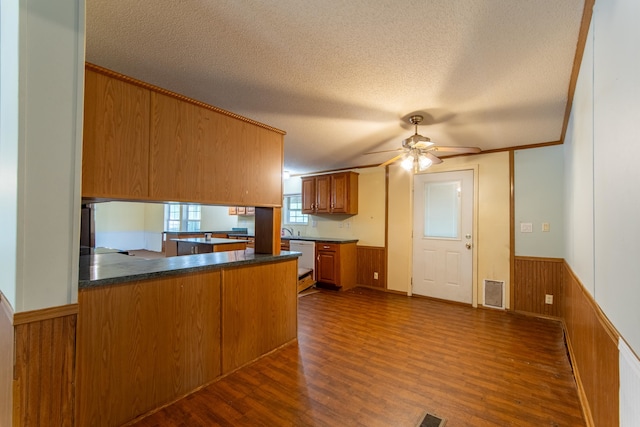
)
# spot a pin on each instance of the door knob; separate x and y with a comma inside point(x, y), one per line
point(467, 245)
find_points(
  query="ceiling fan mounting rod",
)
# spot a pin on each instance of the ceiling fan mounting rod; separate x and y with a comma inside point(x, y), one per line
point(415, 120)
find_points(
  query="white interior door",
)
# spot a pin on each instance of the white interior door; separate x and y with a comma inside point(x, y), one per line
point(443, 235)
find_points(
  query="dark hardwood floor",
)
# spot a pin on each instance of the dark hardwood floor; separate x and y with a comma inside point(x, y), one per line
point(369, 358)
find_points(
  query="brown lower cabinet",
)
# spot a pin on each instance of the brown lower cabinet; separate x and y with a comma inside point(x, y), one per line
point(143, 344)
point(336, 264)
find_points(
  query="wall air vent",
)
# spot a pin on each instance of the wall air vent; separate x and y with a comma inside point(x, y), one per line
point(494, 293)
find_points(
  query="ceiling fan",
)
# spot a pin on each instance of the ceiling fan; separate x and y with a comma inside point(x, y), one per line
point(419, 152)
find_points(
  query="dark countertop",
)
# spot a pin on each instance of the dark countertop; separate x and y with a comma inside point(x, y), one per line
point(307, 238)
point(320, 239)
point(236, 234)
point(113, 268)
point(86, 250)
point(207, 231)
point(211, 241)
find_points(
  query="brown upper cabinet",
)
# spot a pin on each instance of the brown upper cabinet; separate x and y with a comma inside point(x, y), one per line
point(145, 143)
point(335, 193)
point(115, 157)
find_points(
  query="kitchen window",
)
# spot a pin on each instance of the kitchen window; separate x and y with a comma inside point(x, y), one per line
point(179, 217)
point(293, 210)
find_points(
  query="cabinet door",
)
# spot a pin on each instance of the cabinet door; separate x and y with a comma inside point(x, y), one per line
point(344, 193)
point(115, 154)
point(339, 196)
point(177, 146)
point(327, 267)
point(308, 195)
point(323, 194)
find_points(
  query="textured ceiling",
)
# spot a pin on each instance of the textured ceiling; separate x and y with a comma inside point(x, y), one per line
point(341, 78)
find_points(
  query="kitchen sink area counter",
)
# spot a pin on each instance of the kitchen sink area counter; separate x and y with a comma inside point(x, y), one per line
point(320, 239)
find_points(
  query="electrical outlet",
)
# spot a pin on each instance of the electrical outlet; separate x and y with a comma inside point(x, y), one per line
point(375, 275)
point(548, 299)
point(545, 226)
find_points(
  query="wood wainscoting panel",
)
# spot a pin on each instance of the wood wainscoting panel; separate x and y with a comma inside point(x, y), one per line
point(593, 345)
point(533, 279)
point(259, 313)
point(6, 361)
point(44, 373)
point(144, 344)
point(370, 260)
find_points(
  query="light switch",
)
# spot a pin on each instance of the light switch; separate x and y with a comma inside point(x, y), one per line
point(545, 226)
point(526, 227)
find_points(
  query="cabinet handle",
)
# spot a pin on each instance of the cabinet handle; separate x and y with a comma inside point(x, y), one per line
point(326, 247)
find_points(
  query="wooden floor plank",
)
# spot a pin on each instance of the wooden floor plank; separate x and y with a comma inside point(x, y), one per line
point(369, 358)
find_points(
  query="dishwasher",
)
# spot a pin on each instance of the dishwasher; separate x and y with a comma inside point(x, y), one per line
point(306, 262)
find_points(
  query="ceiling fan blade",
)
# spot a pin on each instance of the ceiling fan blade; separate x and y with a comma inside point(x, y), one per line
point(461, 150)
point(384, 151)
point(434, 160)
point(393, 159)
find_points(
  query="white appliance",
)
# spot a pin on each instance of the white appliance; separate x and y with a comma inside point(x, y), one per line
point(307, 259)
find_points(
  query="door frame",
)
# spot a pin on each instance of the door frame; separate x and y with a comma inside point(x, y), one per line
point(474, 239)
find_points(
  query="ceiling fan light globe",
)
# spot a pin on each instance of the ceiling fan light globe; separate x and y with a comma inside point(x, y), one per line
point(423, 163)
point(407, 162)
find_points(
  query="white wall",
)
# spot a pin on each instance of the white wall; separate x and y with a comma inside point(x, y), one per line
point(616, 137)
point(217, 218)
point(120, 225)
point(538, 199)
point(607, 130)
point(9, 107)
point(578, 155)
point(42, 102)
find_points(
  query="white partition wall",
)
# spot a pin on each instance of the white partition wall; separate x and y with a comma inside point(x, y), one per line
point(42, 78)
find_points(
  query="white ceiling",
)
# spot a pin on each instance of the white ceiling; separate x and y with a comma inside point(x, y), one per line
point(342, 77)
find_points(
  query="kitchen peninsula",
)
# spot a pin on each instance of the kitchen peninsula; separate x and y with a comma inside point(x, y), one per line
point(150, 331)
